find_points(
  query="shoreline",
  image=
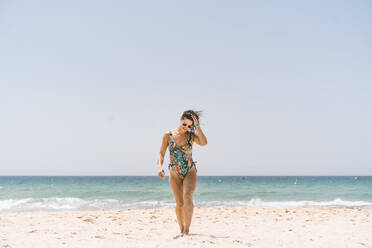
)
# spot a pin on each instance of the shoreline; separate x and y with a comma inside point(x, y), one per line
point(195, 207)
point(211, 227)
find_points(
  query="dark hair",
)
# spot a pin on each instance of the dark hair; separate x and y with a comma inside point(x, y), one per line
point(188, 115)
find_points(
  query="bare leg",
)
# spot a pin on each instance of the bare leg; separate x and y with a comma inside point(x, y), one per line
point(177, 188)
point(189, 185)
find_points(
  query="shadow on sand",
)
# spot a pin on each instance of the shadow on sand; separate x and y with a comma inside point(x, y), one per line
point(200, 234)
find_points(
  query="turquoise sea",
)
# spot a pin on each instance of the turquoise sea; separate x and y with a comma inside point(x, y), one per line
point(29, 193)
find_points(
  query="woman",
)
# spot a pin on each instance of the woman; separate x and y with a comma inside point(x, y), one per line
point(182, 168)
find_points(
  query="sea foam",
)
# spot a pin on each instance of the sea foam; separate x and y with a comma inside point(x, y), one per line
point(73, 203)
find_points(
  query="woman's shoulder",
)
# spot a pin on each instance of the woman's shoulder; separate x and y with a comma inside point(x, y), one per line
point(166, 137)
point(168, 134)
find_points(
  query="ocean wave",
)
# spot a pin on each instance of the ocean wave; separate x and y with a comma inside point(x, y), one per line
point(71, 203)
point(257, 202)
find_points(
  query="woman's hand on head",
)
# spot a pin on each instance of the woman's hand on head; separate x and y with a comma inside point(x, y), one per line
point(196, 122)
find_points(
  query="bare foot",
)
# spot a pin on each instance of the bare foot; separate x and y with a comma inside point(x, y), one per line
point(182, 230)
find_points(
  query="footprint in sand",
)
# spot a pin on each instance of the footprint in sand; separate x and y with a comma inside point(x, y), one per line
point(113, 218)
point(237, 241)
point(89, 220)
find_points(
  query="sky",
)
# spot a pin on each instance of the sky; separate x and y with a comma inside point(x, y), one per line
point(90, 87)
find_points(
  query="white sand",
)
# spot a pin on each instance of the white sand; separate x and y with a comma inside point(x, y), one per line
point(211, 227)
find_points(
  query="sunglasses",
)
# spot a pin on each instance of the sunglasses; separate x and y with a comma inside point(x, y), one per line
point(184, 124)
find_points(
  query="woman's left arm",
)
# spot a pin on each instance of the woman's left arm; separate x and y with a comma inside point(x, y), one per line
point(200, 137)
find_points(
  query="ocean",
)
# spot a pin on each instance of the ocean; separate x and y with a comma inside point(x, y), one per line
point(33, 193)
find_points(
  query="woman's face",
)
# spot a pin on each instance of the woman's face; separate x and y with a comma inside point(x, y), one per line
point(186, 124)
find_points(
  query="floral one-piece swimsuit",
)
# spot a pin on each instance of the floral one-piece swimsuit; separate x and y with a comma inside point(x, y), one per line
point(181, 157)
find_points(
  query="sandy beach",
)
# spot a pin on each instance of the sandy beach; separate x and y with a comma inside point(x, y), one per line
point(211, 227)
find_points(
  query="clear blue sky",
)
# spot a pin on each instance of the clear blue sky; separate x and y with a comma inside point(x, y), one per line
point(89, 87)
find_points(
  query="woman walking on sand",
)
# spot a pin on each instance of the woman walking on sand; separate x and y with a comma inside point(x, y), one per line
point(182, 169)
